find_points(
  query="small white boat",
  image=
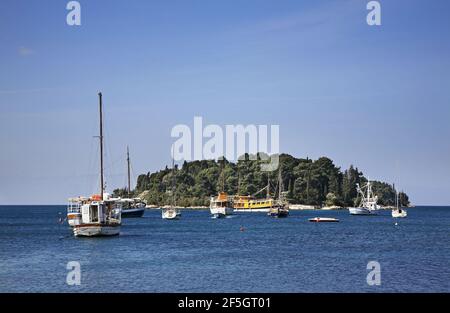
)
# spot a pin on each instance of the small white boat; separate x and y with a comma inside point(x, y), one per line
point(368, 205)
point(324, 220)
point(399, 212)
point(170, 213)
point(221, 206)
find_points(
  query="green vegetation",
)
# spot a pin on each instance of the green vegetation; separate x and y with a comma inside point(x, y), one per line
point(307, 181)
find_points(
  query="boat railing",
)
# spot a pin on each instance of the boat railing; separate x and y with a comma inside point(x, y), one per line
point(74, 207)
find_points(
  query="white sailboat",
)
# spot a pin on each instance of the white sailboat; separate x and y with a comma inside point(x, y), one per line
point(398, 212)
point(171, 212)
point(98, 215)
point(368, 205)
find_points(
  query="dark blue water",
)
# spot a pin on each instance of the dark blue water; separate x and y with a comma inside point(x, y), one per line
point(200, 254)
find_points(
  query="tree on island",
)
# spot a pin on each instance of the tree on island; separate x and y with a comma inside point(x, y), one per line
point(311, 182)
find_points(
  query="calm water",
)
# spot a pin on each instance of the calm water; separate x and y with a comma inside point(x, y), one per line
point(200, 254)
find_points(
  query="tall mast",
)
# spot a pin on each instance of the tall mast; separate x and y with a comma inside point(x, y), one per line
point(239, 183)
point(173, 176)
point(396, 199)
point(128, 165)
point(101, 145)
point(280, 184)
point(223, 175)
point(268, 186)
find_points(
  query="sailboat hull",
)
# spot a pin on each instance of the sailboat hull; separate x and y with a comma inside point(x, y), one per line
point(399, 214)
point(133, 213)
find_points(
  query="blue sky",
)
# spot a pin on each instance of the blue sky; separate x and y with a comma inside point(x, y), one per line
point(375, 97)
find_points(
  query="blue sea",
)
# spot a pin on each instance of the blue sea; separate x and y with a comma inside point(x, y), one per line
point(249, 252)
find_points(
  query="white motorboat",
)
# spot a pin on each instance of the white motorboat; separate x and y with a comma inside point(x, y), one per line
point(170, 213)
point(221, 206)
point(324, 220)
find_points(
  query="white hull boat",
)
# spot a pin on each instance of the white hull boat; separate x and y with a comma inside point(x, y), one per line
point(361, 211)
point(399, 213)
point(221, 206)
point(324, 220)
point(96, 230)
point(368, 205)
point(221, 212)
point(170, 214)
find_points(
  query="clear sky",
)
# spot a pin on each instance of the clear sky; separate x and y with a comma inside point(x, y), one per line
point(375, 97)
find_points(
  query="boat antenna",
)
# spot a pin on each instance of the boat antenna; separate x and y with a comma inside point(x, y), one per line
point(128, 166)
point(101, 145)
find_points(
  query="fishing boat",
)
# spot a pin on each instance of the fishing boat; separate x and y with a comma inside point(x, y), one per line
point(324, 220)
point(131, 207)
point(398, 212)
point(281, 207)
point(98, 215)
point(368, 205)
point(171, 212)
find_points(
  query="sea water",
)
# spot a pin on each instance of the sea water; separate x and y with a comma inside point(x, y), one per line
point(250, 252)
